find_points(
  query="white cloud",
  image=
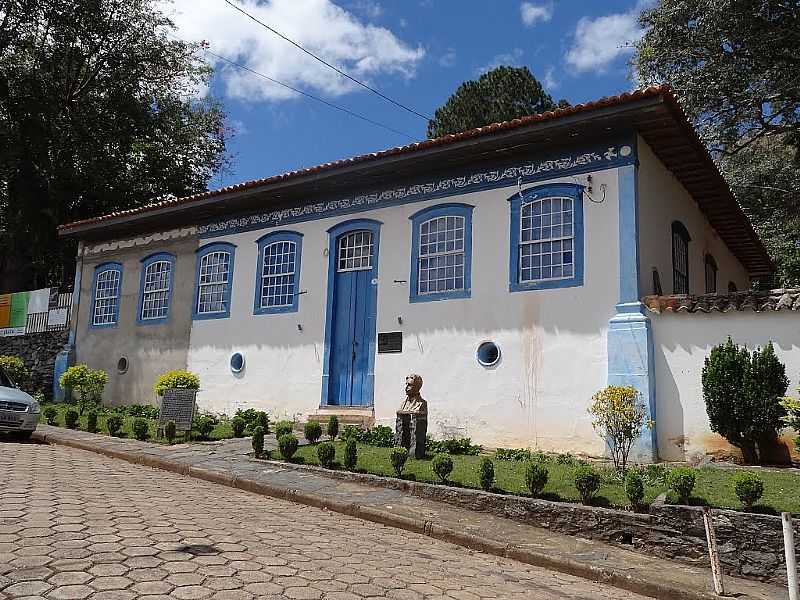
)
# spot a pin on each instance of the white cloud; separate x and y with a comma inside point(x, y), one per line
point(448, 59)
point(533, 13)
point(599, 41)
point(368, 8)
point(511, 59)
point(550, 82)
point(363, 50)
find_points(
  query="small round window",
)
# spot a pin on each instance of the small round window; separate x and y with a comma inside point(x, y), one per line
point(122, 364)
point(237, 362)
point(488, 354)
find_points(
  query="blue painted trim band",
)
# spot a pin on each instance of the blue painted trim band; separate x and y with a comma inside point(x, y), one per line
point(146, 262)
point(102, 268)
point(262, 243)
point(202, 252)
point(542, 192)
point(417, 219)
point(629, 269)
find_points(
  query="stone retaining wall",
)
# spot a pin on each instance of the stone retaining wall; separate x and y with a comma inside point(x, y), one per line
point(38, 351)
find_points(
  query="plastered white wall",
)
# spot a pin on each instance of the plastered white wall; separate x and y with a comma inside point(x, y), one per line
point(662, 200)
point(553, 342)
point(682, 341)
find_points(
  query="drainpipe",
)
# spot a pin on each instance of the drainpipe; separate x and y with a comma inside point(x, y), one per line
point(66, 356)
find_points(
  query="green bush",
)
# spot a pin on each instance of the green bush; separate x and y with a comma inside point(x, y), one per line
point(204, 425)
point(398, 456)
point(170, 430)
point(381, 436)
point(516, 454)
point(350, 454)
point(681, 481)
point(140, 428)
point(618, 416)
point(536, 476)
point(486, 474)
point(287, 444)
point(634, 488)
point(587, 482)
point(455, 446)
point(114, 424)
point(71, 419)
point(352, 432)
point(656, 474)
point(312, 431)
point(442, 465)
point(248, 415)
point(15, 369)
point(91, 422)
point(258, 441)
point(567, 459)
point(333, 427)
point(262, 420)
point(177, 379)
point(146, 411)
point(743, 393)
point(51, 414)
point(89, 383)
point(283, 428)
point(237, 425)
point(326, 452)
point(748, 487)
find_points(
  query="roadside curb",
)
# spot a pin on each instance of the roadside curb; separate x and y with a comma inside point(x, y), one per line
point(478, 543)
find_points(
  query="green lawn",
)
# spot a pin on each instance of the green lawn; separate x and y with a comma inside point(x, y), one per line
point(714, 486)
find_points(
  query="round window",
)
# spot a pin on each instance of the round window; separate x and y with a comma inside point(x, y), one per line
point(488, 354)
point(237, 362)
point(122, 364)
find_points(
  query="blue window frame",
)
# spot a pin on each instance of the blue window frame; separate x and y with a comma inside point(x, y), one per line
point(546, 238)
point(155, 288)
point(106, 290)
point(278, 273)
point(441, 253)
point(680, 258)
point(213, 281)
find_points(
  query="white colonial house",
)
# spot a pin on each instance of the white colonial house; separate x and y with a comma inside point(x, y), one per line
point(507, 265)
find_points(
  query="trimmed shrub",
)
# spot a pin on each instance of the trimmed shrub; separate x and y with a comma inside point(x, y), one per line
point(567, 459)
point(258, 441)
point(140, 428)
point(333, 427)
point(177, 379)
point(283, 427)
point(313, 431)
point(262, 420)
point(350, 454)
point(170, 430)
point(15, 369)
point(91, 422)
point(398, 456)
point(380, 435)
point(51, 414)
point(748, 487)
point(486, 474)
point(634, 488)
point(237, 425)
point(247, 415)
point(139, 410)
point(442, 465)
point(681, 481)
point(71, 419)
point(287, 444)
point(517, 454)
point(352, 431)
point(326, 452)
point(463, 446)
point(204, 425)
point(536, 476)
point(587, 482)
point(89, 383)
point(114, 424)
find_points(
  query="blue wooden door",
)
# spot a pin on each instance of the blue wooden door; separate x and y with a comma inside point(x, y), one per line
point(353, 324)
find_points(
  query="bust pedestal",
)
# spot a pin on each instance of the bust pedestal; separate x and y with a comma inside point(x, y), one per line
point(410, 432)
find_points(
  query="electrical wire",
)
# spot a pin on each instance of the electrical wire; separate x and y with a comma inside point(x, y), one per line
point(326, 63)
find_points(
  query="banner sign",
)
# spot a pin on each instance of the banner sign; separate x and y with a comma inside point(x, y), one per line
point(12, 331)
point(19, 310)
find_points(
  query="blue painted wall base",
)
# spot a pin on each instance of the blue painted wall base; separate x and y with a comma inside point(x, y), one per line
point(64, 359)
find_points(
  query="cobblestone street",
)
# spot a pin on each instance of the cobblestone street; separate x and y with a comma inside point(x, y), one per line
point(77, 525)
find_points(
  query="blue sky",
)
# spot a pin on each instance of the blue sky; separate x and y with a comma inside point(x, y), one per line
point(416, 51)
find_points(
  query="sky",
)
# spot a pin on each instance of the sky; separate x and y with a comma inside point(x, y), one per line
point(414, 51)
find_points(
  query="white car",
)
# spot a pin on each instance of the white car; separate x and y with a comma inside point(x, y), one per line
point(19, 412)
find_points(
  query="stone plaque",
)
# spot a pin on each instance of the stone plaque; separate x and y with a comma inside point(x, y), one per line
point(178, 405)
point(390, 342)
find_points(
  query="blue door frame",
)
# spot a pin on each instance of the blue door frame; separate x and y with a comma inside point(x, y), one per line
point(348, 376)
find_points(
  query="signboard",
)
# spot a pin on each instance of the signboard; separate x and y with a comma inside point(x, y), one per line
point(19, 310)
point(12, 331)
point(5, 310)
point(57, 316)
point(53, 298)
point(177, 405)
point(390, 342)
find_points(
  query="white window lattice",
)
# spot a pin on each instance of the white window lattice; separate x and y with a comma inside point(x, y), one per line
point(278, 274)
point(213, 282)
point(355, 251)
point(547, 240)
point(155, 295)
point(441, 255)
point(106, 297)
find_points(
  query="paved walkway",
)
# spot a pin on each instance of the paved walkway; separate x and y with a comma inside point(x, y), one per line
point(229, 463)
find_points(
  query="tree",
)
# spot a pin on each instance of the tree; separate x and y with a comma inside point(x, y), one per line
point(619, 416)
point(99, 111)
point(502, 94)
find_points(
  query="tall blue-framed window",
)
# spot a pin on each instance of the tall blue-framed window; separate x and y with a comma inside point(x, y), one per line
point(680, 258)
point(278, 274)
point(106, 291)
point(155, 288)
point(441, 252)
point(213, 281)
point(546, 238)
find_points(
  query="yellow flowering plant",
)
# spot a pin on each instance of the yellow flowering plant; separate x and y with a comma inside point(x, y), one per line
point(618, 416)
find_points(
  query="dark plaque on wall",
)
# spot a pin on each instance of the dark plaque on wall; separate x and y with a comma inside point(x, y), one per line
point(390, 342)
point(177, 405)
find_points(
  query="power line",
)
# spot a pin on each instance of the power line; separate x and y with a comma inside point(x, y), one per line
point(327, 64)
